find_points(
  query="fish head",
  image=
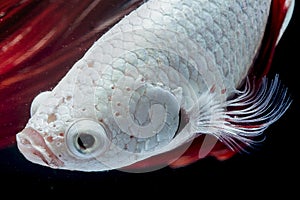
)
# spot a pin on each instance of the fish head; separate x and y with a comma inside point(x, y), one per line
point(87, 125)
point(64, 131)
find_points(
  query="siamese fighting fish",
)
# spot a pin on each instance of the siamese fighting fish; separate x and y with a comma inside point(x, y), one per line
point(172, 82)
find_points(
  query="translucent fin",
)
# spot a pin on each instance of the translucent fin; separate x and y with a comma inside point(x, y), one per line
point(238, 122)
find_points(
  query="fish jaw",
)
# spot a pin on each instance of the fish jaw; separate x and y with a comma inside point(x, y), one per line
point(34, 148)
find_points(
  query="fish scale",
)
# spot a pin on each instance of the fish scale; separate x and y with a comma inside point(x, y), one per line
point(158, 77)
point(206, 17)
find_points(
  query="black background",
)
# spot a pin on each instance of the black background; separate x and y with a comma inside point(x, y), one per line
point(269, 170)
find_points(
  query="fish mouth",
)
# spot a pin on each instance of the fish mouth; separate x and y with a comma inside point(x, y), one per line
point(32, 145)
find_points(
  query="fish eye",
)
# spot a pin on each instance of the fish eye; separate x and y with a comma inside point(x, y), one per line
point(86, 138)
point(85, 141)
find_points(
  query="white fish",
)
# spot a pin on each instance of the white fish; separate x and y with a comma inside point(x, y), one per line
point(170, 71)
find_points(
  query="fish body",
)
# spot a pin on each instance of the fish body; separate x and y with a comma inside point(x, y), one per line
point(168, 73)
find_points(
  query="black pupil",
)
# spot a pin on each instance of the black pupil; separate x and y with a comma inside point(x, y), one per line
point(85, 141)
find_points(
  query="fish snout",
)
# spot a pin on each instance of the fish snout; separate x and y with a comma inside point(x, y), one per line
point(33, 147)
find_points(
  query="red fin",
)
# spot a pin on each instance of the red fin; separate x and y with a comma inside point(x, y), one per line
point(40, 41)
point(193, 154)
point(201, 147)
point(199, 150)
point(278, 20)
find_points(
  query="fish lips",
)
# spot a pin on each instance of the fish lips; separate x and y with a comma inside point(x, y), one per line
point(32, 145)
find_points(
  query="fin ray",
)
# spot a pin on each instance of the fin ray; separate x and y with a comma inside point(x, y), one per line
point(239, 121)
